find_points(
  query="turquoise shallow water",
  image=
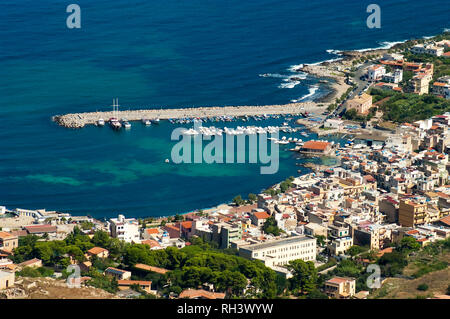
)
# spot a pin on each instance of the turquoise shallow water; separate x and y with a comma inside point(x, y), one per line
point(153, 54)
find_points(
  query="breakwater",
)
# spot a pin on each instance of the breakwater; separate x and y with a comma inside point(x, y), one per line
point(79, 120)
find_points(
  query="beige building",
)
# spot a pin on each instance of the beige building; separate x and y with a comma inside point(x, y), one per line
point(339, 246)
point(282, 251)
point(98, 251)
point(340, 287)
point(420, 83)
point(8, 241)
point(7, 279)
point(361, 104)
point(313, 229)
point(411, 214)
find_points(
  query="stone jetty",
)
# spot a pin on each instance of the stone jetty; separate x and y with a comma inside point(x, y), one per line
point(79, 120)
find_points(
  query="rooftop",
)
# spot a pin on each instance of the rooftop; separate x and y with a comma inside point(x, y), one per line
point(278, 242)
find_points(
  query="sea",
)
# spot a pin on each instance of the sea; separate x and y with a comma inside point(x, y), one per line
point(162, 54)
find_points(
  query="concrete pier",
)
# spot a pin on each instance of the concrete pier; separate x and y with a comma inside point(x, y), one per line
point(79, 120)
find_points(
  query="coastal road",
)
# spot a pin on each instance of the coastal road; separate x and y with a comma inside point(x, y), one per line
point(360, 86)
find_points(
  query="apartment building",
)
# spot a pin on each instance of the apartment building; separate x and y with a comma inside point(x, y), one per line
point(340, 287)
point(420, 83)
point(442, 87)
point(339, 246)
point(375, 72)
point(224, 233)
point(282, 251)
point(412, 213)
point(427, 49)
point(394, 77)
point(126, 229)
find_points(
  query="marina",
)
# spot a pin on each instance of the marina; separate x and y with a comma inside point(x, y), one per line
point(187, 115)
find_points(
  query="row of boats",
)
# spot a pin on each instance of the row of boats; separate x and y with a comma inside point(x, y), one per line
point(226, 118)
point(117, 124)
point(247, 130)
point(284, 140)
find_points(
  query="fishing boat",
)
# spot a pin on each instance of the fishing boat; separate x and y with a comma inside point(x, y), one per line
point(114, 123)
point(126, 125)
point(100, 122)
point(155, 121)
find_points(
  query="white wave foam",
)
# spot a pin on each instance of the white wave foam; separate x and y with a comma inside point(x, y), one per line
point(336, 52)
point(289, 84)
point(293, 68)
point(312, 90)
point(385, 45)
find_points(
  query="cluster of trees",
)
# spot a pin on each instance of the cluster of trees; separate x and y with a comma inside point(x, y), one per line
point(54, 253)
point(189, 267)
point(195, 265)
point(238, 200)
point(392, 264)
point(284, 186)
point(35, 272)
point(271, 227)
point(410, 107)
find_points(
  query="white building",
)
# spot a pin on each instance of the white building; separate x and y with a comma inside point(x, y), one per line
point(333, 123)
point(375, 72)
point(392, 57)
point(395, 77)
point(427, 49)
point(281, 251)
point(340, 245)
point(126, 229)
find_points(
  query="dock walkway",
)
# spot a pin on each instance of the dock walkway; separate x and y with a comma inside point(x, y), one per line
point(79, 120)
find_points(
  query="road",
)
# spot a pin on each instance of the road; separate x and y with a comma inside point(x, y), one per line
point(360, 86)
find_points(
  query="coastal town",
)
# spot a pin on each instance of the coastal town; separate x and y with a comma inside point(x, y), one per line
point(384, 203)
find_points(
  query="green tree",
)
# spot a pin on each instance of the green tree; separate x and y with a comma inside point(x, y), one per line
point(422, 287)
point(304, 275)
point(355, 250)
point(270, 226)
point(101, 239)
point(252, 198)
point(238, 201)
point(408, 244)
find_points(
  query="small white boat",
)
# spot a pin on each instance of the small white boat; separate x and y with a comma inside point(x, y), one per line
point(167, 160)
point(101, 122)
point(281, 142)
point(127, 125)
point(146, 122)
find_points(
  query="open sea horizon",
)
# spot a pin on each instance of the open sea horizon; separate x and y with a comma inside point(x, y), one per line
point(163, 54)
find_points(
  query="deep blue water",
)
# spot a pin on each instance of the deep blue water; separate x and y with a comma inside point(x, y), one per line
point(160, 53)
